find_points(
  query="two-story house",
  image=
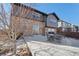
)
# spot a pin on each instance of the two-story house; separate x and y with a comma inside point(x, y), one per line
point(31, 21)
point(28, 20)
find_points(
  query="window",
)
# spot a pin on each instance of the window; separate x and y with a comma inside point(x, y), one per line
point(36, 28)
point(52, 22)
point(33, 15)
point(59, 24)
point(50, 32)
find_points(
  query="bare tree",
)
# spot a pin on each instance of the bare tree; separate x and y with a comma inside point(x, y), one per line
point(24, 11)
point(7, 27)
point(6, 24)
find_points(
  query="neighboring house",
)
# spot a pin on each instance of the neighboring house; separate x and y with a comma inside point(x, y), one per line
point(75, 28)
point(78, 28)
point(61, 25)
point(51, 22)
point(67, 27)
point(64, 26)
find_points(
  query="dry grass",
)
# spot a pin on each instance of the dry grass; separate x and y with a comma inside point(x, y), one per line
point(6, 46)
point(6, 51)
point(23, 52)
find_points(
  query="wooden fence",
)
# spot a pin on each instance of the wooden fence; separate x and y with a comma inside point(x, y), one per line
point(70, 34)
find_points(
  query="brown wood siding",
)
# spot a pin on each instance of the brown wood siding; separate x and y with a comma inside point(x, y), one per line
point(26, 25)
point(23, 23)
point(24, 12)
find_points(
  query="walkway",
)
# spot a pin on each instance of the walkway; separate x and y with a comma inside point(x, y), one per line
point(39, 46)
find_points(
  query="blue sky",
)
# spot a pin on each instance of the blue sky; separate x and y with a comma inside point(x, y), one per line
point(67, 12)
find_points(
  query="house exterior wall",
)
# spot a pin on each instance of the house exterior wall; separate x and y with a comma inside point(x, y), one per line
point(28, 23)
point(28, 26)
point(27, 12)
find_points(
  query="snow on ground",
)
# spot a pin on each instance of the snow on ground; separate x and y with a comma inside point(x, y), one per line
point(70, 41)
point(39, 46)
point(6, 48)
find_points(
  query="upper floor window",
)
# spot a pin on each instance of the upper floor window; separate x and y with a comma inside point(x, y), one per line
point(51, 21)
point(33, 15)
point(59, 24)
point(36, 15)
point(36, 28)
